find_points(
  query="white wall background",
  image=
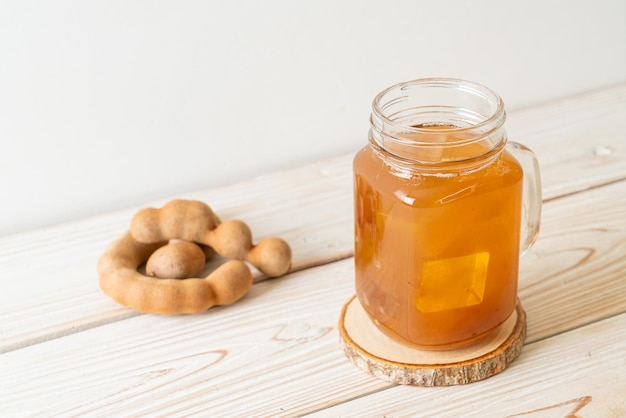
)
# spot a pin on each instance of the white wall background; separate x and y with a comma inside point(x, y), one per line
point(111, 103)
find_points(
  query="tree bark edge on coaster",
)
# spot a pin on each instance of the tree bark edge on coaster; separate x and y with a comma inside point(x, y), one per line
point(438, 368)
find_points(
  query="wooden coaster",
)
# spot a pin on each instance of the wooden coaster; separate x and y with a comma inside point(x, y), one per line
point(371, 350)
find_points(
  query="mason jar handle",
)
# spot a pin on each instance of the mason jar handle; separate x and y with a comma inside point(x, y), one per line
point(531, 201)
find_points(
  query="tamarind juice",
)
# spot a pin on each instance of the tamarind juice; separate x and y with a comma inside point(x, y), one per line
point(437, 250)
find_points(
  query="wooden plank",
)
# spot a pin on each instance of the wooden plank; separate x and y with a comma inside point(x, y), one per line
point(242, 360)
point(578, 260)
point(580, 141)
point(53, 270)
point(276, 352)
point(581, 373)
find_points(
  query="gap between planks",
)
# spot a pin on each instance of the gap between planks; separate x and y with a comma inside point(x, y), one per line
point(578, 191)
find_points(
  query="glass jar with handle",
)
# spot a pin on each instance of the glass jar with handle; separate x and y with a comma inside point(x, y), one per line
point(444, 205)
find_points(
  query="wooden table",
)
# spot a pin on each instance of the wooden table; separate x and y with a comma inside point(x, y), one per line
point(67, 349)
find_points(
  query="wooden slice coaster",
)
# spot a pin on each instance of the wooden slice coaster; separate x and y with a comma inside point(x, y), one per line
point(371, 350)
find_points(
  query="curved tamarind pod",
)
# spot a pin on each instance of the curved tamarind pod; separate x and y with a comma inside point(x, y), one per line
point(189, 220)
point(233, 239)
point(272, 256)
point(194, 221)
point(230, 239)
point(230, 282)
point(119, 278)
point(126, 253)
point(176, 260)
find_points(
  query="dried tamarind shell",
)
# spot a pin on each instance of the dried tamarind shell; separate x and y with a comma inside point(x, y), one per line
point(176, 260)
point(119, 278)
point(195, 221)
point(199, 233)
point(188, 220)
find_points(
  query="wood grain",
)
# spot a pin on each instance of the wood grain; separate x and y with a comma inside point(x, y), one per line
point(268, 354)
point(578, 260)
point(578, 371)
point(377, 354)
point(69, 350)
point(580, 141)
point(53, 270)
point(159, 365)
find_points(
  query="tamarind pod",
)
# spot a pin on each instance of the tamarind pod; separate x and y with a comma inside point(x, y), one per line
point(159, 296)
point(189, 220)
point(233, 239)
point(272, 256)
point(230, 282)
point(119, 278)
point(127, 252)
point(195, 221)
point(176, 260)
point(230, 239)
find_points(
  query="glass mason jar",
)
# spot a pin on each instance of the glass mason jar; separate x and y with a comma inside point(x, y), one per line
point(442, 211)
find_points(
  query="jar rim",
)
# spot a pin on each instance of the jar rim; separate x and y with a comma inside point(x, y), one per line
point(488, 124)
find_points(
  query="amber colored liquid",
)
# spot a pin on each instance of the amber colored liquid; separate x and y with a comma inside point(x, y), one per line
point(436, 255)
